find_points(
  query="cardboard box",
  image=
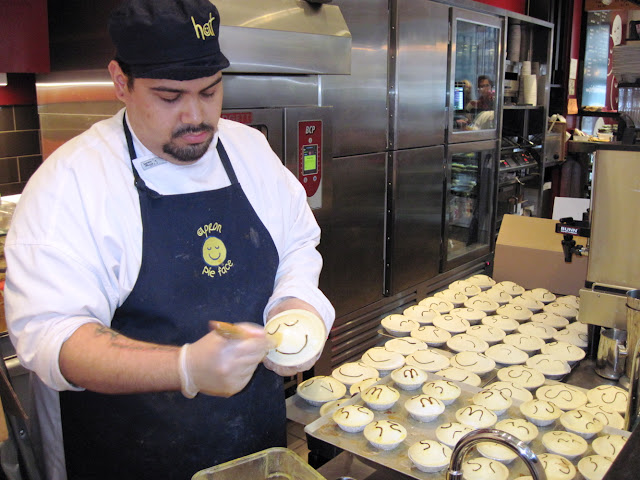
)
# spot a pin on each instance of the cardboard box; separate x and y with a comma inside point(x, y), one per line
point(529, 253)
point(557, 127)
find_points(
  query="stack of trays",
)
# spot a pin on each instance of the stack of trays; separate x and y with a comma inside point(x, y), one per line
point(626, 63)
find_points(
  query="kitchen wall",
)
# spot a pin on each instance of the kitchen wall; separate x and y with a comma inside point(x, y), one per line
point(19, 146)
point(24, 36)
point(20, 152)
point(25, 49)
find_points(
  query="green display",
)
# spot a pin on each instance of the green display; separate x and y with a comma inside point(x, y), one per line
point(310, 159)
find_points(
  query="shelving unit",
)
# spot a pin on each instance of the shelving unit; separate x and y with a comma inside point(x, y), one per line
point(523, 149)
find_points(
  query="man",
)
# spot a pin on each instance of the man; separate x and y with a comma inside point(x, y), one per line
point(130, 238)
point(486, 95)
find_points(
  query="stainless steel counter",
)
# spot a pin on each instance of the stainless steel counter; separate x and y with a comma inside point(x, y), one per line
point(588, 147)
point(584, 376)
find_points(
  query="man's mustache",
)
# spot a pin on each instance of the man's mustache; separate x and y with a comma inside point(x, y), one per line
point(192, 129)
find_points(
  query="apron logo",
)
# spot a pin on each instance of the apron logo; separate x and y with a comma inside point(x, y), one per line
point(214, 251)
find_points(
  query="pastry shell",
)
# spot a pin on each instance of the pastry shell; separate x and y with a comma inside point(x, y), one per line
point(353, 418)
point(566, 444)
point(444, 390)
point(540, 412)
point(429, 455)
point(385, 434)
point(321, 389)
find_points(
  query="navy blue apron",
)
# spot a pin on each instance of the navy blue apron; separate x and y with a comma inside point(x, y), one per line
point(205, 256)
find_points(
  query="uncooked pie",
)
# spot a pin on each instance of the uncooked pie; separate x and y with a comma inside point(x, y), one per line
point(562, 395)
point(428, 360)
point(517, 312)
point(464, 342)
point(399, 325)
point(353, 372)
point(522, 375)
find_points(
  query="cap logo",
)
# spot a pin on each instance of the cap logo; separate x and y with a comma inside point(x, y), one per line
point(206, 30)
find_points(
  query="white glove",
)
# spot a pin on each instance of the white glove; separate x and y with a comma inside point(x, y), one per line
point(219, 366)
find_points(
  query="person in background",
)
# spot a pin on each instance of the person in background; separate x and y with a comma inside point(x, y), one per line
point(482, 110)
point(486, 95)
point(130, 238)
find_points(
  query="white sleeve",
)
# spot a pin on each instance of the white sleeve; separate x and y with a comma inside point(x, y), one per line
point(72, 238)
point(300, 262)
point(49, 295)
point(281, 203)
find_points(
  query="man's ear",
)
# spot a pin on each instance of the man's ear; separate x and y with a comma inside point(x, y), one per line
point(119, 79)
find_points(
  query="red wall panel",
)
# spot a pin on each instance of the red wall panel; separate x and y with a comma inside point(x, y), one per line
point(517, 6)
point(24, 36)
point(20, 89)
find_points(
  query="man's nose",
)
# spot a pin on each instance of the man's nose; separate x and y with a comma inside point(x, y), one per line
point(193, 111)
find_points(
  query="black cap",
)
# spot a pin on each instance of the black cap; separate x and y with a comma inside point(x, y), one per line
point(171, 39)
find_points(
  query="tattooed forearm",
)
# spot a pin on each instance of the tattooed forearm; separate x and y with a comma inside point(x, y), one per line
point(102, 330)
point(119, 341)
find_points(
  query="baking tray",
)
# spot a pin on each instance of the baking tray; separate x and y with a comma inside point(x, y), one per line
point(326, 430)
point(300, 411)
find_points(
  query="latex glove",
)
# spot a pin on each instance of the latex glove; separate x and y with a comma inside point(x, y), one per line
point(222, 367)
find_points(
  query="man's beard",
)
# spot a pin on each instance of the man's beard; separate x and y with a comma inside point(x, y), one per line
point(189, 153)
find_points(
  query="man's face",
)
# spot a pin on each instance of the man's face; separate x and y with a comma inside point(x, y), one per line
point(484, 87)
point(174, 119)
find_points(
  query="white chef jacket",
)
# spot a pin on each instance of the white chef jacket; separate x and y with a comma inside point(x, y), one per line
point(74, 248)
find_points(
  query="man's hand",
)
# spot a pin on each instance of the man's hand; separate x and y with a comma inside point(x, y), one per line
point(290, 371)
point(223, 367)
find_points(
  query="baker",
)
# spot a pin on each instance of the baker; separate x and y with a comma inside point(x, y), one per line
point(131, 238)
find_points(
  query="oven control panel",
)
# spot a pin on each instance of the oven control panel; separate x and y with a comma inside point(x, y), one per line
point(310, 155)
point(308, 149)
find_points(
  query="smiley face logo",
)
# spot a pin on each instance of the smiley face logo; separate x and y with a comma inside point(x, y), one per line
point(291, 337)
point(214, 252)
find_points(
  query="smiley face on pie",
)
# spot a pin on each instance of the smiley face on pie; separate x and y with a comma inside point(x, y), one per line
point(298, 336)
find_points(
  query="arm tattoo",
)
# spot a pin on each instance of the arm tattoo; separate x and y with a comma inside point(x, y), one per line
point(131, 344)
point(103, 330)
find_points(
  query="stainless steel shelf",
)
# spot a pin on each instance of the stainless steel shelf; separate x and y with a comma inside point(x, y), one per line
point(522, 107)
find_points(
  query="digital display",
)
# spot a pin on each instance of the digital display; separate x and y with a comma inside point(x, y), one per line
point(458, 98)
point(309, 159)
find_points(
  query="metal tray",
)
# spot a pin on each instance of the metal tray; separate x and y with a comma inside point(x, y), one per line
point(325, 429)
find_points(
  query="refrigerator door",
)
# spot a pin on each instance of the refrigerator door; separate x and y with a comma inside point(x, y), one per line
point(475, 83)
point(359, 100)
point(420, 74)
point(470, 198)
point(414, 228)
point(352, 243)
